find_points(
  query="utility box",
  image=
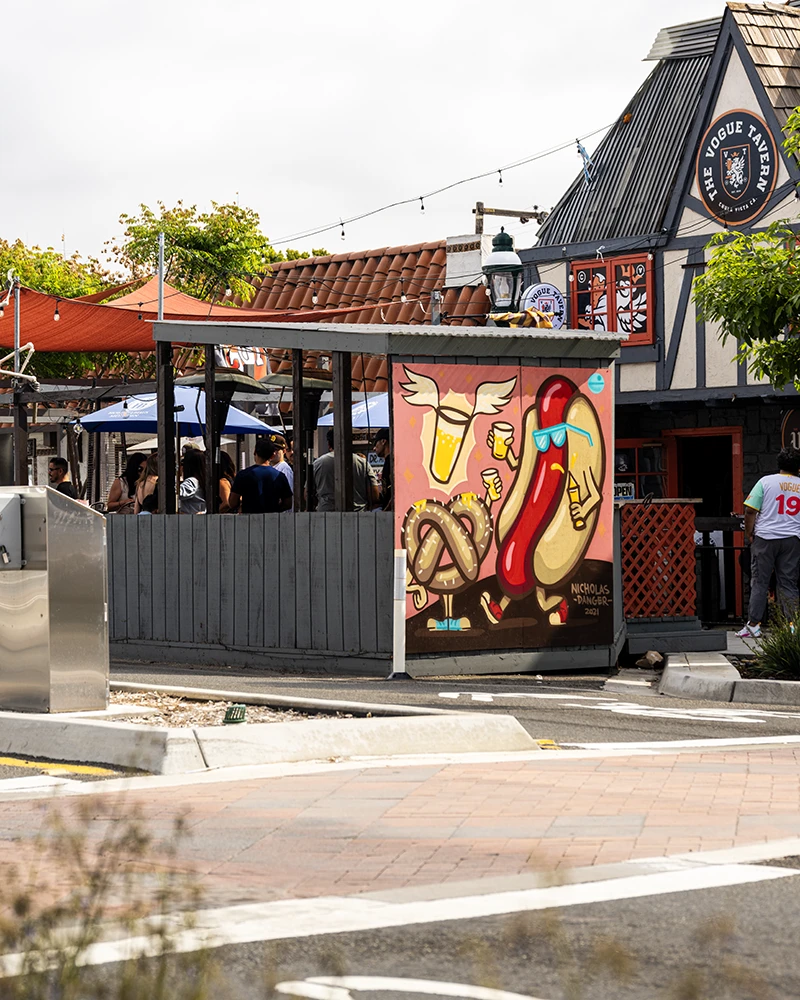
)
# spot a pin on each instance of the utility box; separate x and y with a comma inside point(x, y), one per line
point(53, 603)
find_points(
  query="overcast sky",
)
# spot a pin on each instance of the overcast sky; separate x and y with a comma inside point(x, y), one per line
point(308, 112)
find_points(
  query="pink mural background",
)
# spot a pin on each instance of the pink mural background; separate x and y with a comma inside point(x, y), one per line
point(458, 430)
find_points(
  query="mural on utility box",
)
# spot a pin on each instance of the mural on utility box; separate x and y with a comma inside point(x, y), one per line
point(502, 502)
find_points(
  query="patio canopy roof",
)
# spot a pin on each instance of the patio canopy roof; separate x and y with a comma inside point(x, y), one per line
point(379, 338)
point(122, 325)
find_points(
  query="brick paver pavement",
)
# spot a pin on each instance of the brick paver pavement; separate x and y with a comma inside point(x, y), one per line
point(349, 831)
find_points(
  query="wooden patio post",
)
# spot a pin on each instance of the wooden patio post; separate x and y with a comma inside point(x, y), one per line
point(212, 435)
point(21, 440)
point(165, 387)
point(343, 429)
point(298, 430)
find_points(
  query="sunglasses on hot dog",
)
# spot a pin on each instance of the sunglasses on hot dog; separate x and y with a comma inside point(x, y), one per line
point(557, 435)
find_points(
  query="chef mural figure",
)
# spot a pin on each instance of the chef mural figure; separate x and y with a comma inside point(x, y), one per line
point(549, 517)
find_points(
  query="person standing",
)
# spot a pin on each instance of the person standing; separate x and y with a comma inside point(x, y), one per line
point(57, 474)
point(121, 496)
point(365, 482)
point(193, 482)
point(146, 483)
point(261, 488)
point(278, 460)
point(383, 449)
point(772, 527)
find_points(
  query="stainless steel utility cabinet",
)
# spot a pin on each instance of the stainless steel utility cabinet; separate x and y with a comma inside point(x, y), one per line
point(53, 603)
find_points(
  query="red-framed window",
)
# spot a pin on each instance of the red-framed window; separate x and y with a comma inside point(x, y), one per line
point(615, 295)
point(642, 464)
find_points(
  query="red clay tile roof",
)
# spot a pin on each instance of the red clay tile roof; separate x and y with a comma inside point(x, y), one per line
point(368, 287)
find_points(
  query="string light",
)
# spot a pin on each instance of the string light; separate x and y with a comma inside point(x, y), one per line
point(342, 225)
point(2, 310)
point(501, 176)
point(140, 309)
point(228, 292)
point(314, 296)
point(57, 314)
point(403, 296)
point(421, 204)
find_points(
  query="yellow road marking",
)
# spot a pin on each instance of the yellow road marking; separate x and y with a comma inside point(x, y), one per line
point(43, 765)
point(548, 745)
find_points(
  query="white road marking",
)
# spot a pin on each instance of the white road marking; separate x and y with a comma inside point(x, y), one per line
point(302, 918)
point(339, 987)
point(610, 703)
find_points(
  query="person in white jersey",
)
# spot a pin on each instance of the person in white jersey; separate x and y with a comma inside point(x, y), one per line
point(772, 527)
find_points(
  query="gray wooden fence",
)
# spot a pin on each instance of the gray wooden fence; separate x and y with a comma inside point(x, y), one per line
point(316, 582)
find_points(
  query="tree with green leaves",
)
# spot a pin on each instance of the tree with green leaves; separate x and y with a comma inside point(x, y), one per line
point(50, 271)
point(751, 286)
point(206, 253)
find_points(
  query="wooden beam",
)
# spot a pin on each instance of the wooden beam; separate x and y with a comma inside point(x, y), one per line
point(343, 429)
point(166, 430)
point(298, 430)
point(20, 441)
point(212, 435)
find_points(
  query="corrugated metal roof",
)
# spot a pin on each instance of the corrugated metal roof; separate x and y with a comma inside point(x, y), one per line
point(636, 164)
point(685, 41)
point(771, 33)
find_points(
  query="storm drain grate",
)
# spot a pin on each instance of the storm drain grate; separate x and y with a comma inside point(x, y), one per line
point(791, 861)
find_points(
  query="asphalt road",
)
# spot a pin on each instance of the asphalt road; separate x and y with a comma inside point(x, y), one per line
point(567, 709)
point(737, 943)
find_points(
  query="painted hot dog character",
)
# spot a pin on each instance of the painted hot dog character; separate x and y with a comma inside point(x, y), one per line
point(548, 520)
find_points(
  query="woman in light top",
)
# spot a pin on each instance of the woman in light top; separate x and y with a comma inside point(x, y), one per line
point(121, 496)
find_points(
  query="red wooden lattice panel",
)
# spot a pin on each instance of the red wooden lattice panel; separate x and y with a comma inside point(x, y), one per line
point(659, 575)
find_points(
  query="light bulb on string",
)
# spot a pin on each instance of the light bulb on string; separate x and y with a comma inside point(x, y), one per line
point(342, 225)
point(2, 309)
point(228, 292)
point(403, 296)
point(314, 296)
point(500, 181)
point(421, 204)
point(57, 314)
point(140, 309)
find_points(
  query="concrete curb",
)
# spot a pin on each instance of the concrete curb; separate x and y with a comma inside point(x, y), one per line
point(711, 677)
point(91, 741)
point(763, 692)
point(282, 701)
point(178, 751)
point(699, 676)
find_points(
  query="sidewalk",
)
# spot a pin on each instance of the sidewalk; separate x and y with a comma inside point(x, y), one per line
point(351, 831)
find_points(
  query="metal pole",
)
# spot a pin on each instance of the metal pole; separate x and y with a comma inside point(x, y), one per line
point(16, 324)
point(160, 276)
point(399, 672)
point(20, 431)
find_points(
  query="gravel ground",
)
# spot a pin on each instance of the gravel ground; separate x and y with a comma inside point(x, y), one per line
point(176, 712)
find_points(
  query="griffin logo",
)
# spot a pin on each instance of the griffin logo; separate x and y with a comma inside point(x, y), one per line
point(735, 170)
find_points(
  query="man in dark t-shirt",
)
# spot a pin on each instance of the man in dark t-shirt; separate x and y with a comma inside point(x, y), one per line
point(261, 489)
point(57, 474)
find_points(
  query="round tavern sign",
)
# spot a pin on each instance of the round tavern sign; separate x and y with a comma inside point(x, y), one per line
point(737, 164)
point(546, 298)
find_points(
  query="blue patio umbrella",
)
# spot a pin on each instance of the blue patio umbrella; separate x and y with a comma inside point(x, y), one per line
point(138, 415)
point(374, 413)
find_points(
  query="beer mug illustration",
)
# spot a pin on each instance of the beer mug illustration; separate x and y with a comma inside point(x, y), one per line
point(503, 435)
point(451, 426)
point(493, 483)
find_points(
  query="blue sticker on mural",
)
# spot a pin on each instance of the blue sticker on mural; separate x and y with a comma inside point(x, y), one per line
point(596, 383)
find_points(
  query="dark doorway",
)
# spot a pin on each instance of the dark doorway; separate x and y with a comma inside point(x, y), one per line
point(705, 471)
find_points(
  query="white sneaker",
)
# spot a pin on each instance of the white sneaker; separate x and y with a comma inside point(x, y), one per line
point(750, 632)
